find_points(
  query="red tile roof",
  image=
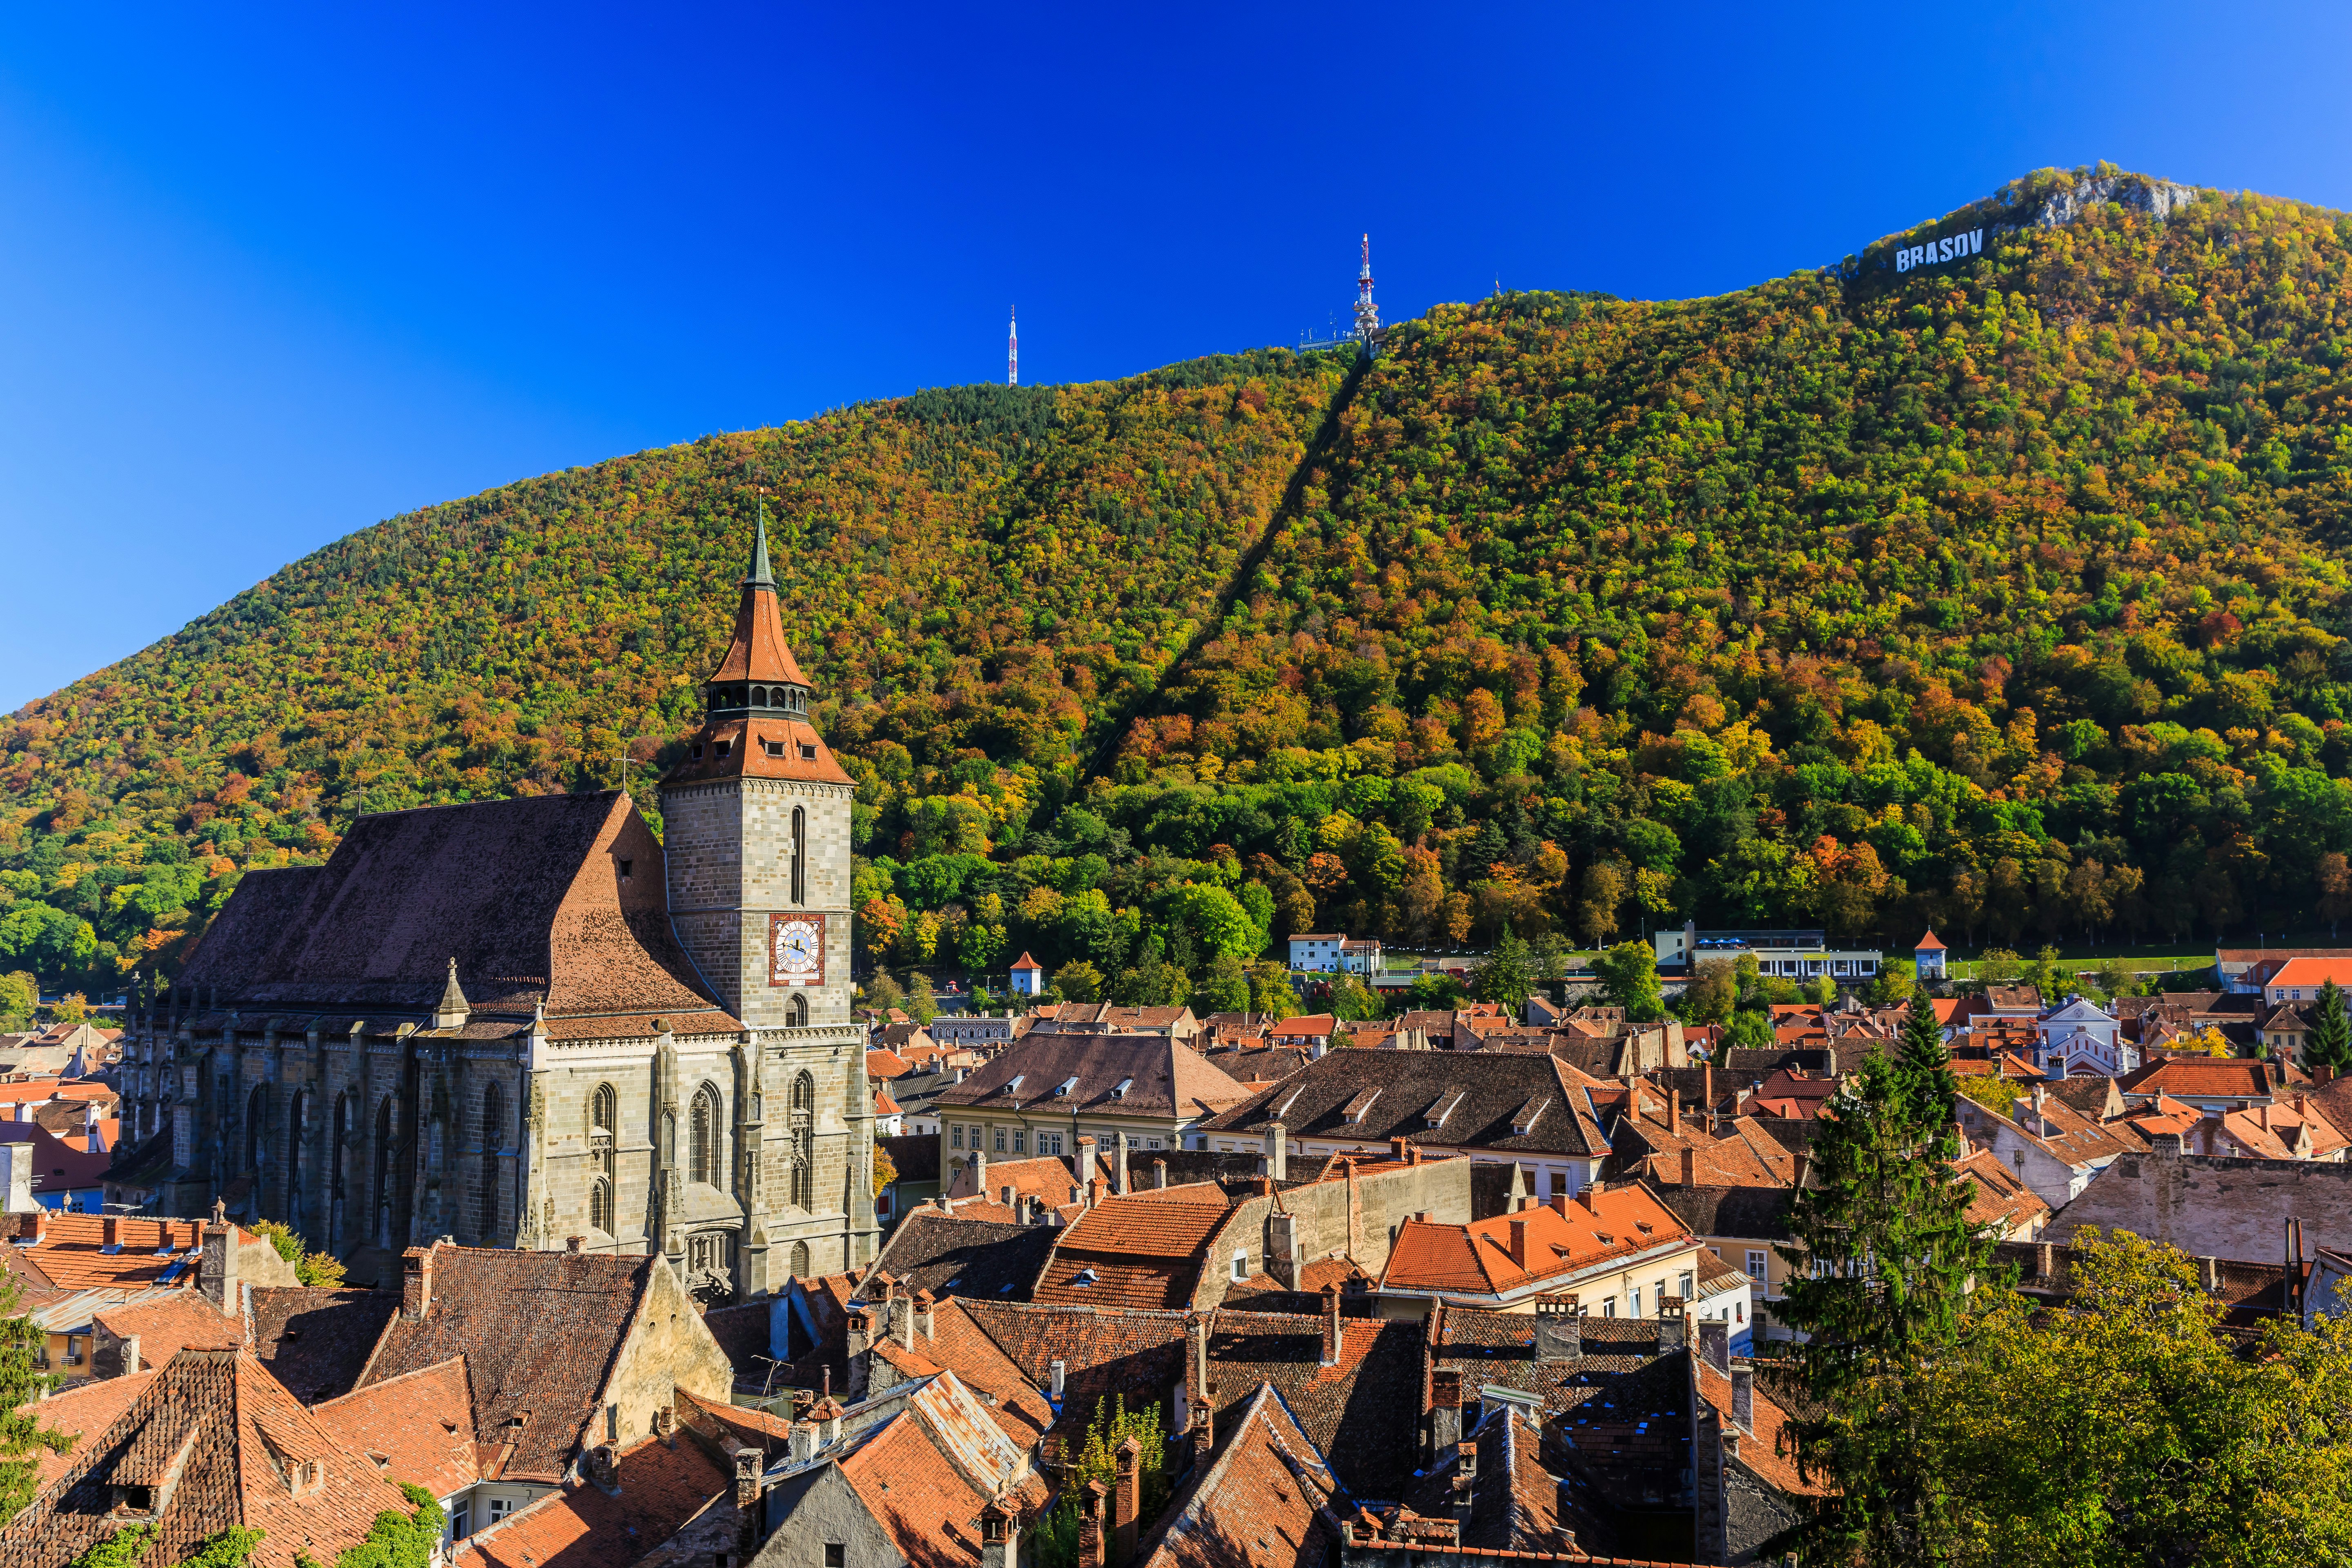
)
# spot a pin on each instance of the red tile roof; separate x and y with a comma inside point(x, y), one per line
point(2311, 974)
point(185, 1320)
point(1767, 1447)
point(662, 1486)
point(1562, 1237)
point(1266, 1496)
point(420, 1424)
point(72, 1253)
point(89, 1407)
point(1132, 1252)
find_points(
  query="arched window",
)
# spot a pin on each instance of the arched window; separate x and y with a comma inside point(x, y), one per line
point(759, 697)
point(600, 1205)
point(800, 856)
point(494, 1120)
point(383, 1160)
point(804, 1119)
point(256, 1126)
point(796, 1012)
point(804, 1095)
point(294, 1118)
point(335, 1154)
point(702, 1160)
point(603, 1110)
point(800, 1260)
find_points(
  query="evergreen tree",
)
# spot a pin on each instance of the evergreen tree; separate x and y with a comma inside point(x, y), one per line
point(1504, 976)
point(2330, 1043)
point(1224, 989)
point(1884, 1257)
point(23, 1436)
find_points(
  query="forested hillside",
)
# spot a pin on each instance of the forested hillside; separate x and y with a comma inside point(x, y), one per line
point(2006, 595)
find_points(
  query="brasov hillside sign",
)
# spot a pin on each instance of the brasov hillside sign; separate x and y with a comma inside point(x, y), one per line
point(1951, 247)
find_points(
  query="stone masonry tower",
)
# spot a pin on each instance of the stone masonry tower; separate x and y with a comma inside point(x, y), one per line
point(756, 829)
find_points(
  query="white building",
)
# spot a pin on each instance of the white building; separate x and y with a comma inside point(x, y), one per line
point(1788, 954)
point(1028, 977)
point(1317, 951)
point(2081, 1038)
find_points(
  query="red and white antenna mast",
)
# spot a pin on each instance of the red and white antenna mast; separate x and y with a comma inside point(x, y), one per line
point(1013, 351)
point(1368, 315)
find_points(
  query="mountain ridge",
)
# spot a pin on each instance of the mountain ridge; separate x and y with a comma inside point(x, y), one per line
point(1634, 609)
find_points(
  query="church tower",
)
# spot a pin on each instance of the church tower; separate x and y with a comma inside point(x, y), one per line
point(756, 832)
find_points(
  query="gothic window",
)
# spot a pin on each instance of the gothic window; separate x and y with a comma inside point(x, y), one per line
point(600, 1205)
point(796, 1012)
point(335, 1154)
point(383, 1157)
point(800, 856)
point(294, 1149)
point(603, 1117)
point(702, 1160)
point(494, 1117)
point(804, 1127)
point(800, 1260)
point(256, 1126)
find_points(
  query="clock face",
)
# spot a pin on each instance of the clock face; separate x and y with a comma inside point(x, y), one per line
point(796, 950)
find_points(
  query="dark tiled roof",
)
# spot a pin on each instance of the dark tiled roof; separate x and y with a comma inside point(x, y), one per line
point(1749, 1214)
point(1137, 1356)
point(539, 1331)
point(315, 1341)
point(662, 1486)
point(1265, 1497)
point(1361, 1413)
point(1515, 1504)
point(1164, 1078)
point(525, 894)
point(974, 1258)
point(743, 1334)
point(1494, 1088)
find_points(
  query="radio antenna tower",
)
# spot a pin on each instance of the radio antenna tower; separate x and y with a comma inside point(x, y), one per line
point(1013, 351)
point(1368, 315)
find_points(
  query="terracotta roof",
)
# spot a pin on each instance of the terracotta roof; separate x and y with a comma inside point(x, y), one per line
point(1514, 1503)
point(885, 1064)
point(1163, 1077)
point(2208, 1077)
point(1132, 1252)
point(526, 894)
point(421, 1424)
point(2311, 974)
point(952, 1256)
point(1105, 1354)
point(1025, 961)
point(758, 650)
point(1484, 1095)
point(1309, 1025)
point(2012, 997)
point(662, 1486)
point(1562, 1237)
point(1928, 943)
point(186, 1320)
point(2002, 1200)
point(921, 1497)
point(1046, 1177)
point(317, 1341)
point(72, 1253)
point(540, 1332)
point(958, 1344)
point(1767, 1447)
point(1265, 1497)
point(90, 1406)
point(242, 1449)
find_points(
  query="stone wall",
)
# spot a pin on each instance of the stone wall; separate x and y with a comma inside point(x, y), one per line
point(1357, 1217)
point(668, 1348)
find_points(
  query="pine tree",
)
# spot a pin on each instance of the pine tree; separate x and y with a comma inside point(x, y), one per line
point(1884, 1257)
point(1504, 976)
point(2330, 1044)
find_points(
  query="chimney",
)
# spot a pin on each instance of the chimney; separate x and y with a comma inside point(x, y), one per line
point(1589, 1195)
point(747, 1480)
point(2209, 1270)
point(575, 1243)
point(1672, 1324)
point(1690, 1166)
point(1158, 1174)
point(17, 1160)
point(1089, 1147)
point(2045, 1262)
point(922, 1313)
point(980, 1172)
point(1278, 1158)
point(801, 1443)
point(1090, 1526)
point(415, 1281)
point(110, 1230)
point(1465, 1481)
point(130, 1356)
point(1118, 1166)
point(901, 1328)
point(1743, 1397)
point(858, 1347)
point(1282, 1248)
point(1057, 1375)
point(1675, 1111)
point(1331, 1329)
point(1201, 1392)
point(1804, 1164)
point(1000, 1536)
point(216, 1274)
point(1560, 1329)
point(1097, 1189)
point(1127, 1503)
point(1714, 1345)
point(1005, 1196)
point(1519, 1242)
point(604, 1467)
point(1444, 1412)
point(1707, 1088)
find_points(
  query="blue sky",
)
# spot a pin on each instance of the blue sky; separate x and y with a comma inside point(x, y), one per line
point(270, 275)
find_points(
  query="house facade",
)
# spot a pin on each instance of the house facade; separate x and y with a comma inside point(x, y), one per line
point(2080, 1038)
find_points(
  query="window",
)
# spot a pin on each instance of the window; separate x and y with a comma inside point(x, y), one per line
point(1241, 1265)
point(999, 1140)
point(600, 1205)
point(808, 753)
point(836, 1555)
point(1739, 1312)
point(803, 1122)
point(1020, 1141)
point(1608, 1306)
point(796, 1012)
point(1755, 1263)
point(956, 1136)
point(499, 1508)
point(1683, 1287)
point(494, 1119)
point(799, 852)
point(460, 1523)
point(1633, 1301)
point(702, 1155)
point(774, 748)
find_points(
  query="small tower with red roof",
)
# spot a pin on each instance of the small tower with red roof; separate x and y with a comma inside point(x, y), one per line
point(1028, 977)
point(1929, 956)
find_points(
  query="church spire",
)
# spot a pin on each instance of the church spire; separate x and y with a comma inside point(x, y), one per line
point(761, 577)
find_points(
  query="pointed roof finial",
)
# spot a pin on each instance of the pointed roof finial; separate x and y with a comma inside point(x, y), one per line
point(454, 1009)
point(761, 577)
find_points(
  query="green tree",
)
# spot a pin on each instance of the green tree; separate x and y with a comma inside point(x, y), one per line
point(1216, 919)
point(1999, 966)
point(322, 1270)
point(23, 1438)
point(1351, 999)
point(1628, 973)
point(2152, 1432)
point(1271, 991)
point(1504, 976)
point(1895, 984)
point(1434, 991)
point(1751, 1030)
point(920, 1005)
point(124, 1549)
point(47, 941)
point(1078, 981)
point(1225, 988)
point(1154, 983)
point(1098, 1460)
point(1882, 1257)
point(1547, 956)
point(19, 996)
point(882, 992)
point(1713, 989)
point(2329, 1044)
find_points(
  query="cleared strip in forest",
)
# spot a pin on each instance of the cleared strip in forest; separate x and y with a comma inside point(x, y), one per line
point(1105, 743)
